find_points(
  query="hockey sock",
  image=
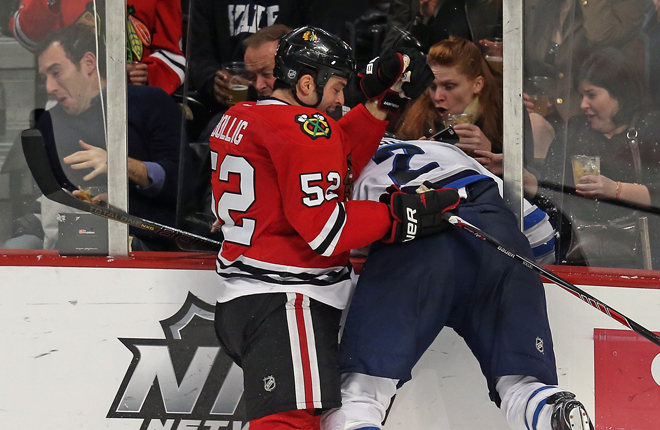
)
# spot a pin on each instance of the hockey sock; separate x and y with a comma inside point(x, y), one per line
point(364, 401)
point(523, 402)
point(289, 420)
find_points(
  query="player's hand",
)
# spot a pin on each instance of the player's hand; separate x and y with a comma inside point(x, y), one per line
point(596, 187)
point(490, 161)
point(222, 87)
point(416, 215)
point(472, 138)
point(91, 157)
point(393, 79)
point(137, 74)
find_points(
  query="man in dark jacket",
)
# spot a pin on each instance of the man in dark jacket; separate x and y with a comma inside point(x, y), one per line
point(75, 127)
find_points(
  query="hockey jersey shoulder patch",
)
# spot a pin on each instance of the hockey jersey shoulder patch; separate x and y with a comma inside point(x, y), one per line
point(314, 125)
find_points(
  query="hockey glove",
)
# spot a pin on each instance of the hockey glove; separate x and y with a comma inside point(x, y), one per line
point(416, 215)
point(389, 80)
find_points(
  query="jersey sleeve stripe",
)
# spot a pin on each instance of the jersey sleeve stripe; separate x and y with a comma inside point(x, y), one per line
point(327, 239)
point(176, 63)
point(25, 41)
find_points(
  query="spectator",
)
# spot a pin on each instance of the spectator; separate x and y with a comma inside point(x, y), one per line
point(431, 21)
point(68, 61)
point(328, 15)
point(260, 49)
point(153, 27)
point(615, 106)
point(560, 34)
point(652, 30)
point(218, 30)
point(464, 84)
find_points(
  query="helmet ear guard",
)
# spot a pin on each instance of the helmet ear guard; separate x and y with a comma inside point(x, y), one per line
point(314, 48)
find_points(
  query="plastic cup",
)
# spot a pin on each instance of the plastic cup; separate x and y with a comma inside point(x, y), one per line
point(585, 165)
point(240, 79)
point(492, 50)
point(461, 118)
point(538, 88)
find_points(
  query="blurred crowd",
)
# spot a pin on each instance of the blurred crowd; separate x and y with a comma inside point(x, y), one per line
point(591, 89)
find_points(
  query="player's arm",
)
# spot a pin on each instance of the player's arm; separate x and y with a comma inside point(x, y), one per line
point(166, 65)
point(33, 20)
point(331, 226)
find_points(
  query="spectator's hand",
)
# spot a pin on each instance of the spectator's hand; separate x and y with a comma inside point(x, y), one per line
point(527, 102)
point(216, 225)
point(492, 48)
point(472, 138)
point(137, 73)
point(490, 161)
point(91, 157)
point(596, 187)
point(222, 87)
point(426, 9)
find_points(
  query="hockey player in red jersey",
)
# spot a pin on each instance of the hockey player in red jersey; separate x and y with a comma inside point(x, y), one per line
point(282, 175)
point(153, 27)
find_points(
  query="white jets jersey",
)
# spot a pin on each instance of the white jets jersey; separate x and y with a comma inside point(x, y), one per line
point(408, 164)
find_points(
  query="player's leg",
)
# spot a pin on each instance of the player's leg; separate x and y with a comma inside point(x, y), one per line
point(508, 329)
point(403, 298)
point(365, 400)
point(287, 346)
point(528, 404)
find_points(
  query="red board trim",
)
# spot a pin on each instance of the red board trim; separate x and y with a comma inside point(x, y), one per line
point(206, 261)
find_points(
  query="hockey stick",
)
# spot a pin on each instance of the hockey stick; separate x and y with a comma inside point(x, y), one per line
point(567, 189)
point(46, 176)
point(577, 292)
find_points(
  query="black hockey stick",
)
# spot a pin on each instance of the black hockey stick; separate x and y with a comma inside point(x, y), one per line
point(567, 189)
point(577, 292)
point(54, 184)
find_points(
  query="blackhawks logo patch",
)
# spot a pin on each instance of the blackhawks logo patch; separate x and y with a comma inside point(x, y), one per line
point(314, 126)
point(310, 36)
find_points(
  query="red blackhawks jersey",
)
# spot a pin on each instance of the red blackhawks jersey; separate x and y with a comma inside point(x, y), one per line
point(281, 176)
point(153, 32)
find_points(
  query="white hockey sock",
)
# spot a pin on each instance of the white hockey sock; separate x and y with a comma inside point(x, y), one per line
point(523, 402)
point(364, 402)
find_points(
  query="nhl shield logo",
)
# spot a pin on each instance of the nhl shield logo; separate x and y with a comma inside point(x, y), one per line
point(269, 383)
point(314, 126)
point(539, 344)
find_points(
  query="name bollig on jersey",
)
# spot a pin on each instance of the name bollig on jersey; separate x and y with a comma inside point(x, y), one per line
point(410, 163)
point(280, 175)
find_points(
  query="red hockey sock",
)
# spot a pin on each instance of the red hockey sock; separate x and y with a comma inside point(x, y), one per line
point(290, 420)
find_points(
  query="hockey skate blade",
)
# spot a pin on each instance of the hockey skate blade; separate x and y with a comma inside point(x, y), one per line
point(578, 419)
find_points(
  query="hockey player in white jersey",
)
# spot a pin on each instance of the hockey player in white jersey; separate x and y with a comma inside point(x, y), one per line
point(408, 292)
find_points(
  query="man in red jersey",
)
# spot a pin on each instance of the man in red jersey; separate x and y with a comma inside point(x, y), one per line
point(282, 173)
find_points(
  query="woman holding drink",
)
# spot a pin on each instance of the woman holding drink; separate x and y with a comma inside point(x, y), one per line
point(616, 115)
point(465, 94)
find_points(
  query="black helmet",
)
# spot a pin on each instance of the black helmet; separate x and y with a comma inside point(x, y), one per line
point(315, 48)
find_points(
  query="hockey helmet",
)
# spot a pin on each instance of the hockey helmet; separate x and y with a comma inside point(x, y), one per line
point(317, 49)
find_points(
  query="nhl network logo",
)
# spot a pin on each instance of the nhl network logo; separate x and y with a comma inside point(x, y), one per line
point(183, 381)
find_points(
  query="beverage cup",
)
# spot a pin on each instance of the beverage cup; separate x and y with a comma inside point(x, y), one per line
point(585, 165)
point(538, 88)
point(240, 79)
point(461, 118)
point(492, 49)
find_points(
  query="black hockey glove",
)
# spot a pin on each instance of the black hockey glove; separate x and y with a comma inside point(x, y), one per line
point(416, 215)
point(393, 79)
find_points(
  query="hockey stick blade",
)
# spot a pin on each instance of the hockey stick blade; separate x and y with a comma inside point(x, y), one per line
point(577, 292)
point(52, 182)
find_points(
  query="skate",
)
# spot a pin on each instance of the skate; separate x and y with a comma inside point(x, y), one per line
point(568, 413)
